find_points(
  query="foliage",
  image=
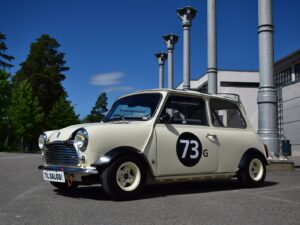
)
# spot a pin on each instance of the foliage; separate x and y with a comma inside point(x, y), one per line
point(62, 115)
point(44, 69)
point(4, 58)
point(25, 114)
point(97, 112)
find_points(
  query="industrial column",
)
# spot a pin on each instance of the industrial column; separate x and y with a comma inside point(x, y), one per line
point(186, 15)
point(267, 98)
point(161, 58)
point(170, 40)
point(211, 47)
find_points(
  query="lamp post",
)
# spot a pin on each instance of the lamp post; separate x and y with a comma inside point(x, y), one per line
point(161, 58)
point(170, 40)
point(267, 98)
point(211, 47)
point(186, 14)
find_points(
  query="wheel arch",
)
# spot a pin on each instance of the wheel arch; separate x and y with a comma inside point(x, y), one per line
point(106, 160)
point(250, 152)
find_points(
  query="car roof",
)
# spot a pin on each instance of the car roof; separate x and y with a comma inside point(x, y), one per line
point(223, 96)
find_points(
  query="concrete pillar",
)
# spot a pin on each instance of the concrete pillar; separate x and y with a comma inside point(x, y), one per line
point(170, 40)
point(267, 98)
point(161, 58)
point(211, 47)
point(186, 15)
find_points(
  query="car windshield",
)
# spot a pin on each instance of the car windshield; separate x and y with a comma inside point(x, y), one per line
point(135, 107)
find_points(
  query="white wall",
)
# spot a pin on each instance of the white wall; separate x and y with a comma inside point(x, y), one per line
point(291, 115)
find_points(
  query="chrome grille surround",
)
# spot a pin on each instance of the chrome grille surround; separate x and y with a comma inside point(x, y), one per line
point(61, 153)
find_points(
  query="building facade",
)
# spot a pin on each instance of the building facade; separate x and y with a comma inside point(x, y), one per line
point(246, 83)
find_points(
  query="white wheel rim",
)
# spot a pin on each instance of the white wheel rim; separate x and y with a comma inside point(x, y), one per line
point(128, 176)
point(256, 169)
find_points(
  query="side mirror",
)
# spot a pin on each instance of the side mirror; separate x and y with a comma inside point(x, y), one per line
point(165, 118)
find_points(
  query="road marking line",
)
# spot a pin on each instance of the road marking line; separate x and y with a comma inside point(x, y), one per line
point(19, 157)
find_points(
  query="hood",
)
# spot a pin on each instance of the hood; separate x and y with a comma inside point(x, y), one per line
point(111, 127)
point(65, 133)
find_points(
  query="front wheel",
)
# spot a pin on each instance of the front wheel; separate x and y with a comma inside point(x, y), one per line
point(124, 178)
point(253, 173)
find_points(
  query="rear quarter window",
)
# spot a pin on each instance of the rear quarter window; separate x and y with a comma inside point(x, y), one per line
point(226, 114)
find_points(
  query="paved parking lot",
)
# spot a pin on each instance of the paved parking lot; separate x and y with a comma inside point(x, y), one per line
point(26, 199)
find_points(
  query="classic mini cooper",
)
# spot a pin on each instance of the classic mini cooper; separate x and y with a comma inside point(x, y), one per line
point(156, 136)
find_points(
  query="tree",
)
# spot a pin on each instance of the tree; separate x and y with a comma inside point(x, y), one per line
point(44, 69)
point(4, 58)
point(62, 115)
point(25, 114)
point(97, 112)
point(5, 88)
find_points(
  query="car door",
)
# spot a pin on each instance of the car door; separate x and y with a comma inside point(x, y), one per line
point(185, 142)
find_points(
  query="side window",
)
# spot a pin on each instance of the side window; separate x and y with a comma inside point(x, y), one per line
point(186, 110)
point(226, 114)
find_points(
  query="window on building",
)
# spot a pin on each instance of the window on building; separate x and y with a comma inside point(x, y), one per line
point(283, 77)
point(186, 110)
point(240, 84)
point(226, 114)
point(297, 72)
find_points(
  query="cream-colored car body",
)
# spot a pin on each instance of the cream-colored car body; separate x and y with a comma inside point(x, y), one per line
point(156, 142)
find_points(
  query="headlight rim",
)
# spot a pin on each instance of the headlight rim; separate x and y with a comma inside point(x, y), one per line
point(83, 133)
point(43, 137)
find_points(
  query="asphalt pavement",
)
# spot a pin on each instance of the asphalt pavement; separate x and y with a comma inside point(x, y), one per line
point(26, 199)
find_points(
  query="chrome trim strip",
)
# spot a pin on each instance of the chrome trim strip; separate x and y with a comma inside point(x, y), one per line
point(69, 170)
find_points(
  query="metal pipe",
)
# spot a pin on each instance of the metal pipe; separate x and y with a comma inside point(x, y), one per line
point(212, 47)
point(161, 58)
point(186, 15)
point(170, 40)
point(267, 98)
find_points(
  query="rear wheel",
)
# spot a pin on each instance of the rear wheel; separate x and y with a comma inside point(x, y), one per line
point(124, 178)
point(253, 173)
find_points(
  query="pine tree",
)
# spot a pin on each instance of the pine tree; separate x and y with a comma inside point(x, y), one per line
point(25, 113)
point(62, 115)
point(4, 58)
point(44, 69)
point(98, 111)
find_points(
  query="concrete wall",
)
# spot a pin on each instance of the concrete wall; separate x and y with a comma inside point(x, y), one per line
point(291, 115)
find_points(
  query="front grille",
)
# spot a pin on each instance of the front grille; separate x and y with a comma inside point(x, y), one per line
point(61, 153)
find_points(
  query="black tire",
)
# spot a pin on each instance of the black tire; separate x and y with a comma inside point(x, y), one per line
point(124, 178)
point(253, 173)
point(64, 186)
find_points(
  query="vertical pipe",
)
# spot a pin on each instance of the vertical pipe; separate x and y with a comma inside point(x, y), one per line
point(161, 76)
point(186, 58)
point(170, 68)
point(161, 58)
point(186, 14)
point(211, 47)
point(170, 40)
point(267, 98)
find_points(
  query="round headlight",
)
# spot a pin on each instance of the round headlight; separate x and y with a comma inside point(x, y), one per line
point(81, 139)
point(42, 141)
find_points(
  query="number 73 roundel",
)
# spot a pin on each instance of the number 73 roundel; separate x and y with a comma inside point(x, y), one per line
point(189, 149)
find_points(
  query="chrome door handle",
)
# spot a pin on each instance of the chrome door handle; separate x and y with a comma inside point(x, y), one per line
point(211, 136)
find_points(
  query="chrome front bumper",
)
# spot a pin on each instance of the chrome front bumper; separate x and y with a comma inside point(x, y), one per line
point(85, 171)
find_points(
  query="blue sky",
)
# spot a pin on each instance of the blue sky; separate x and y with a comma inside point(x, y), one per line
point(110, 45)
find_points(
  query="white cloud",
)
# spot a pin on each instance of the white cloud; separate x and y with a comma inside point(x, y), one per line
point(105, 79)
point(118, 89)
